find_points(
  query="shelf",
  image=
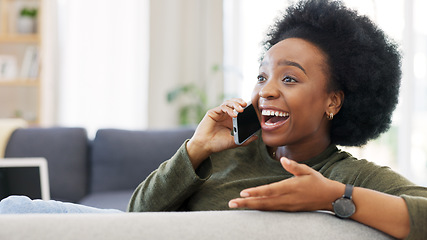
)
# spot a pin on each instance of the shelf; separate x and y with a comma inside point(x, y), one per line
point(20, 83)
point(20, 38)
point(20, 95)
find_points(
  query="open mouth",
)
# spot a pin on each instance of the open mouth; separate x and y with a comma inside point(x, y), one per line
point(272, 117)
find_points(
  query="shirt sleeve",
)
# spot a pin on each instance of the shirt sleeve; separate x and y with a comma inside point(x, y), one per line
point(417, 207)
point(167, 188)
point(385, 180)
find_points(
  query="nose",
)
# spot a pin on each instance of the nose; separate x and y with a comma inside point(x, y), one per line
point(269, 90)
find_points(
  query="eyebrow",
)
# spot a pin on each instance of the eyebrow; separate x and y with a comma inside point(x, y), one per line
point(287, 63)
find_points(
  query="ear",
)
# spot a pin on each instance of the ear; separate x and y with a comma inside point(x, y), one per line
point(336, 99)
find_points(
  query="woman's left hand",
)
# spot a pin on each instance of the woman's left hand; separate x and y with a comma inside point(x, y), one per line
point(308, 190)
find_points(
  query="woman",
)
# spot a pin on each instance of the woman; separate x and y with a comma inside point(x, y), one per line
point(329, 77)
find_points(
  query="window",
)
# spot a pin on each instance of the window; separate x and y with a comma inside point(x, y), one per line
point(103, 63)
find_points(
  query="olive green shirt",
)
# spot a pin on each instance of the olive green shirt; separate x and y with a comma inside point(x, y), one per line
point(176, 186)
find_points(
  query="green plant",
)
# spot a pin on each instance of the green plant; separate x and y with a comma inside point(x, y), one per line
point(28, 12)
point(193, 100)
point(194, 105)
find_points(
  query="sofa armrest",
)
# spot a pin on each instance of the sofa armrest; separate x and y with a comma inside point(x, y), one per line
point(66, 151)
point(186, 225)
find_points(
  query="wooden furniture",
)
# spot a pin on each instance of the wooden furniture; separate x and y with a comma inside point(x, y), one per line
point(20, 66)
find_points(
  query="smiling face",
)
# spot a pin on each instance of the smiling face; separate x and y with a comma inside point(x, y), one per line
point(291, 96)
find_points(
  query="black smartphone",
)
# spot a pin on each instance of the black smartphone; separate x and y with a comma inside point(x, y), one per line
point(245, 125)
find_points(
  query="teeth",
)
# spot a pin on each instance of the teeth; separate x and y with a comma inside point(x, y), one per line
point(274, 113)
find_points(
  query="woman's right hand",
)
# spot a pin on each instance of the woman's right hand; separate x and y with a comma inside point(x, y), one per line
point(213, 134)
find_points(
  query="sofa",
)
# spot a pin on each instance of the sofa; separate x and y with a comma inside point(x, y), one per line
point(103, 172)
point(100, 172)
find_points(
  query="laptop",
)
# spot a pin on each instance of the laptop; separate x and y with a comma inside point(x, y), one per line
point(24, 176)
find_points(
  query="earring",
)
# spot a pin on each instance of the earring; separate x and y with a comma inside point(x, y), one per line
point(331, 116)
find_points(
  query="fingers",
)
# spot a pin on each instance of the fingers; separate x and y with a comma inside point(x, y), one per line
point(285, 195)
point(289, 194)
point(282, 187)
point(232, 106)
point(297, 169)
point(269, 190)
point(264, 204)
point(272, 196)
point(277, 203)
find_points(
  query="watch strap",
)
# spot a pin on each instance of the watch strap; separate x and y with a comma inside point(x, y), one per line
point(348, 191)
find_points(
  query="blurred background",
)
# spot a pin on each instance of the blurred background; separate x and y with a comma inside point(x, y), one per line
point(141, 64)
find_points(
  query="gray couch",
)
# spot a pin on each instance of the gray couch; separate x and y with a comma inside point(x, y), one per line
point(103, 173)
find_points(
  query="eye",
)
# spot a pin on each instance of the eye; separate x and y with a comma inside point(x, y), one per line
point(261, 78)
point(289, 79)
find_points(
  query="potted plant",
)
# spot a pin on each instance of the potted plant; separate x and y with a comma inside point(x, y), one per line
point(194, 107)
point(192, 101)
point(27, 20)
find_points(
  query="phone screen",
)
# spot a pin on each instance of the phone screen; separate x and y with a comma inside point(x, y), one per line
point(245, 125)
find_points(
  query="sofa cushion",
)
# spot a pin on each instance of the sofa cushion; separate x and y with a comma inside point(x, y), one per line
point(108, 200)
point(121, 159)
point(66, 151)
point(224, 225)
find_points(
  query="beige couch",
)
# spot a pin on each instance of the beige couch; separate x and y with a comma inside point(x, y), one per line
point(221, 225)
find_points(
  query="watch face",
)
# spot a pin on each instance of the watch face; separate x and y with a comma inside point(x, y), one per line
point(344, 207)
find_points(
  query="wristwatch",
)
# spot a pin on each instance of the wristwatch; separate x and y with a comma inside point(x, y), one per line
point(344, 207)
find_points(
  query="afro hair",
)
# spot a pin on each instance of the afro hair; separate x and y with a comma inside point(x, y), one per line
point(363, 63)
